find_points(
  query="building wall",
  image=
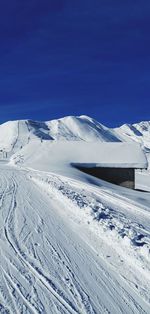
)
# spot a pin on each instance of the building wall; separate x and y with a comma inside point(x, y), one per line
point(120, 176)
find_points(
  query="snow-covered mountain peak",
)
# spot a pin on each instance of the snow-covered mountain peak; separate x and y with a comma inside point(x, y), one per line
point(80, 128)
point(138, 132)
point(143, 126)
point(16, 134)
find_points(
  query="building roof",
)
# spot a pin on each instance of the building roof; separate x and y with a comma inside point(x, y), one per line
point(58, 155)
point(97, 154)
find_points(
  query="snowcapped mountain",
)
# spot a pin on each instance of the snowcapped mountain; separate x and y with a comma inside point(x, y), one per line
point(16, 134)
point(80, 128)
point(138, 132)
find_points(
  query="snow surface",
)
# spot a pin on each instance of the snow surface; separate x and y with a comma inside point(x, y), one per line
point(69, 242)
point(95, 154)
point(15, 134)
point(138, 132)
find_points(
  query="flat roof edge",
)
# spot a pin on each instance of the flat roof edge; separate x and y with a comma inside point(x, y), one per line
point(110, 165)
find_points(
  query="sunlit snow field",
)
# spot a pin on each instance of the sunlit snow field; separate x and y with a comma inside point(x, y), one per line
point(69, 242)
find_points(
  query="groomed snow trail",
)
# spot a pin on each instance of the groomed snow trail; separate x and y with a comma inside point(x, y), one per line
point(45, 266)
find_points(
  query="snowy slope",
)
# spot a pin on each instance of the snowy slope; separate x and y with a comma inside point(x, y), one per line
point(16, 134)
point(69, 243)
point(93, 154)
point(80, 128)
point(70, 246)
point(138, 132)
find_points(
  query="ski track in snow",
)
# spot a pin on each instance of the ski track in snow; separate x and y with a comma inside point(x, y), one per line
point(47, 266)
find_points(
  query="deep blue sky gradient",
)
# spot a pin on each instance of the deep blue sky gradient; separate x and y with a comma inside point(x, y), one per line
point(65, 57)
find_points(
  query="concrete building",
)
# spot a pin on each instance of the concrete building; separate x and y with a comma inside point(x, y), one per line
point(113, 162)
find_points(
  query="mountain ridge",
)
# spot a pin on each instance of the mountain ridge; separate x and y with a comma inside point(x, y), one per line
point(18, 133)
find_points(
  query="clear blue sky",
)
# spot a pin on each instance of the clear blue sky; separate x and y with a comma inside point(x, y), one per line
point(65, 57)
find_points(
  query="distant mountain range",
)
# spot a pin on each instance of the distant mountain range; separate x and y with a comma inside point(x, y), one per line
point(16, 134)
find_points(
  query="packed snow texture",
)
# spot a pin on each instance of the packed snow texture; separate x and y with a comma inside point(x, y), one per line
point(69, 242)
